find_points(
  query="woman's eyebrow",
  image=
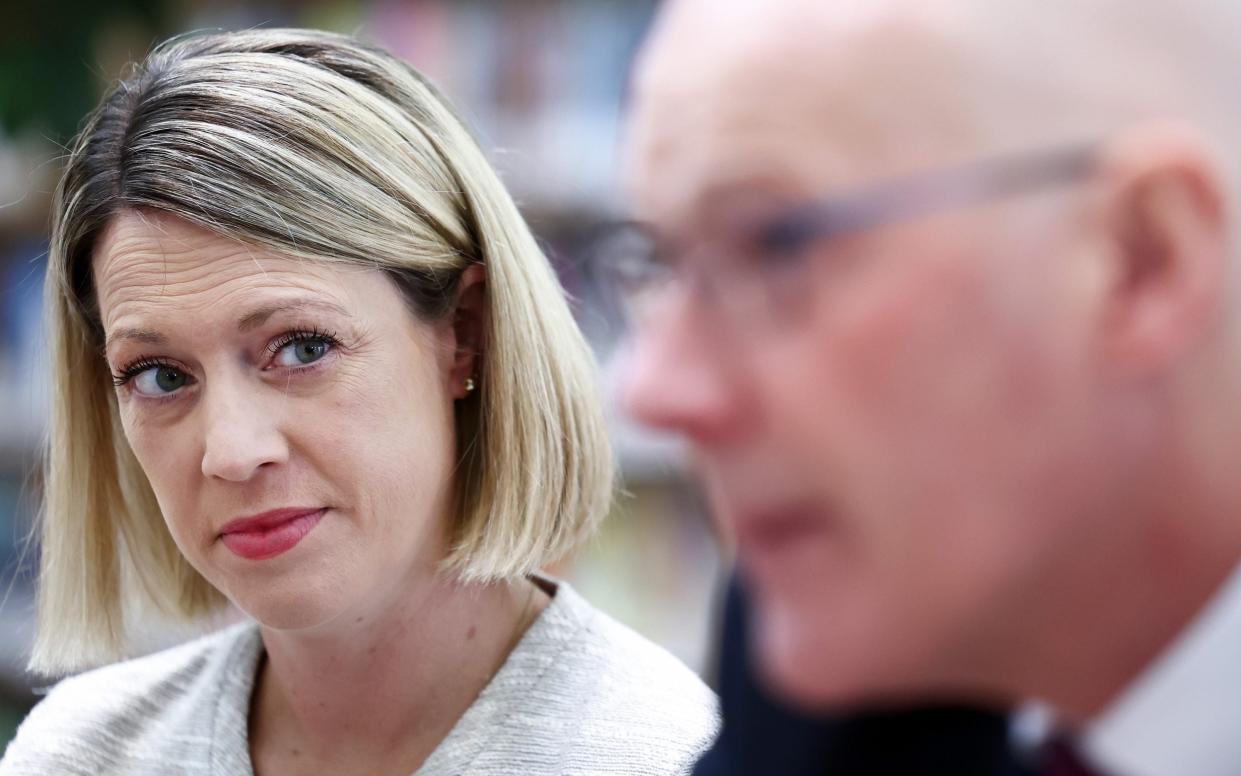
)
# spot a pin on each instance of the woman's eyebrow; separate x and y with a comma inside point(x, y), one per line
point(258, 317)
point(247, 322)
point(145, 336)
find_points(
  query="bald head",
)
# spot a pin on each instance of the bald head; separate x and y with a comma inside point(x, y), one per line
point(722, 89)
point(927, 80)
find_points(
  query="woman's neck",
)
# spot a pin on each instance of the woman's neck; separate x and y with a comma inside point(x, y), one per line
point(380, 690)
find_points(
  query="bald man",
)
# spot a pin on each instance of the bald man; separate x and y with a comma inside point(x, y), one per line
point(945, 297)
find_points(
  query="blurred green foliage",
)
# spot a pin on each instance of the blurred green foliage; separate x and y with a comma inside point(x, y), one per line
point(50, 59)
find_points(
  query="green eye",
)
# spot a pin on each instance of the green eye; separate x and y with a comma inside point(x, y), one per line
point(159, 381)
point(169, 380)
point(309, 352)
point(303, 351)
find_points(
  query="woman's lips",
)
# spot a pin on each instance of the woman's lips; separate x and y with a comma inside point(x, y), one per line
point(271, 533)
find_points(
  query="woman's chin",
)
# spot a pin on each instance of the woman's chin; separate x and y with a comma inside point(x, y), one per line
point(293, 609)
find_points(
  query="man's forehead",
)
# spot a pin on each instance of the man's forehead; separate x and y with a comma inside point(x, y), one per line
point(697, 37)
point(790, 90)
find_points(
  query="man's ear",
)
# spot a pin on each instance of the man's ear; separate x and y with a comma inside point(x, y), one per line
point(1165, 222)
point(469, 326)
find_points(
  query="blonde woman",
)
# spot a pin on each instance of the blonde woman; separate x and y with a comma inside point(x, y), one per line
point(310, 361)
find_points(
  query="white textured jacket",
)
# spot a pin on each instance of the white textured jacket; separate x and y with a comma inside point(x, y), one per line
point(580, 694)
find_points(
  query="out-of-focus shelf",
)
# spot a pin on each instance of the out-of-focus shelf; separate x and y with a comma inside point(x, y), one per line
point(16, 636)
point(18, 456)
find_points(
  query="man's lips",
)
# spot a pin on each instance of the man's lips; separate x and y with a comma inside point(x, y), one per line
point(774, 530)
point(271, 533)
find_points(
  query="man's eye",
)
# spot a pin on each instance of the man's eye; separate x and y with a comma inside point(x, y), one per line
point(159, 381)
point(786, 237)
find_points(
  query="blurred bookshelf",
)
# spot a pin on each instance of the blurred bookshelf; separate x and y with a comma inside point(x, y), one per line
point(542, 84)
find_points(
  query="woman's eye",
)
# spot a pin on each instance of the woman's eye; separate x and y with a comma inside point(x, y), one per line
point(302, 352)
point(159, 381)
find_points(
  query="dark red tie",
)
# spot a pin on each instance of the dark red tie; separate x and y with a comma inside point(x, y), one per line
point(1061, 759)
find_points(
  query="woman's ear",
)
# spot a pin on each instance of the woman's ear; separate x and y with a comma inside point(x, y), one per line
point(469, 327)
point(1166, 215)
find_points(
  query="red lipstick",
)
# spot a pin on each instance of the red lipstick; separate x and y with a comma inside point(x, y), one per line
point(271, 533)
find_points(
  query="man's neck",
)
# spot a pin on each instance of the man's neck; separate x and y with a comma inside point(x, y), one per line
point(1146, 582)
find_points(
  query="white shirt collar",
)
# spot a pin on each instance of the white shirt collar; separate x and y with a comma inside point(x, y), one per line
point(1183, 714)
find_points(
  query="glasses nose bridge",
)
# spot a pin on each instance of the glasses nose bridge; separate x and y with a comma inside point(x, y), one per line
point(729, 295)
point(698, 276)
point(691, 292)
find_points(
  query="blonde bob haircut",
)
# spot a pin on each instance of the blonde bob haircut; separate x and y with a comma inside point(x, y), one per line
point(319, 147)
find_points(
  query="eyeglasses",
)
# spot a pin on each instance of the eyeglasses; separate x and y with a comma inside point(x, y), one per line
point(752, 268)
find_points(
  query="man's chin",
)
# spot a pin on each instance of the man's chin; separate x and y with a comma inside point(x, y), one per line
point(813, 671)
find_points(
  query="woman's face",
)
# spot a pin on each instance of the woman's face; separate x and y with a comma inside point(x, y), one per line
point(294, 418)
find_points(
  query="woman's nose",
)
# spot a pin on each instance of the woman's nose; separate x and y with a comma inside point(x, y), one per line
point(241, 432)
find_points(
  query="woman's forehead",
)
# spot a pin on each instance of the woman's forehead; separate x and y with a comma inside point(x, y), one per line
point(147, 264)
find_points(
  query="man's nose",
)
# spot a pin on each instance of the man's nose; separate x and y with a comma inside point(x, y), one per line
point(673, 379)
point(241, 433)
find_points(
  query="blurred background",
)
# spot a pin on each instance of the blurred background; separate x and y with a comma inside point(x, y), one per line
point(542, 83)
